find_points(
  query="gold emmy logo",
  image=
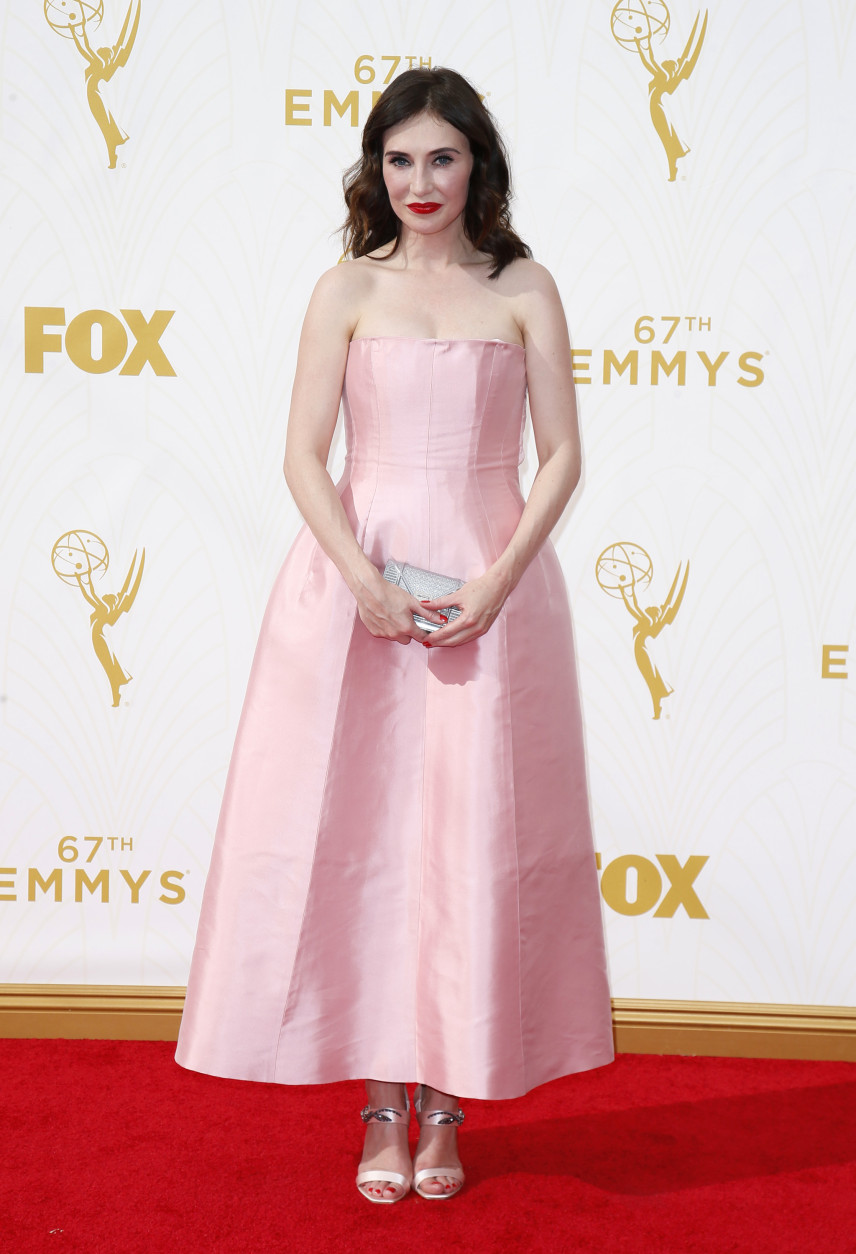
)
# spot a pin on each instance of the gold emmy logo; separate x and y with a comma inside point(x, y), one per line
point(636, 25)
point(74, 19)
point(623, 570)
point(78, 557)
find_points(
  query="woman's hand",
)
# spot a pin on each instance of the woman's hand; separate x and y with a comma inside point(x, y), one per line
point(479, 600)
point(387, 611)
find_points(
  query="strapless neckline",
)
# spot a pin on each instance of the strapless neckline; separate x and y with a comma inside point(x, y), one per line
point(427, 339)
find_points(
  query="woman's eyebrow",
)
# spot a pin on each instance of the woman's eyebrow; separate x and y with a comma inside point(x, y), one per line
point(397, 152)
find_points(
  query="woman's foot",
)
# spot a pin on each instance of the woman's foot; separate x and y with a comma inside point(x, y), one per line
point(438, 1144)
point(386, 1158)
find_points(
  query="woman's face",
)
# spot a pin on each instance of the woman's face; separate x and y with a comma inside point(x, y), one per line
point(426, 169)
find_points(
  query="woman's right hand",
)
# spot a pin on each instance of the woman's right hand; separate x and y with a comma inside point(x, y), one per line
point(387, 612)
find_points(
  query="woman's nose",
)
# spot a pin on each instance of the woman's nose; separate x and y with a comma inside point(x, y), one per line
point(420, 180)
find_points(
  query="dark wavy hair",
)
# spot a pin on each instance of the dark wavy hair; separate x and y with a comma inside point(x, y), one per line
point(371, 222)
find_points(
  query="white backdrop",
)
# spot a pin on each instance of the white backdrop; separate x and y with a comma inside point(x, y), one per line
point(725, 826)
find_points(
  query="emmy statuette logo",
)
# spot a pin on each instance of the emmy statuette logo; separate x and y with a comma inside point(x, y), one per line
point(77, 20)
point(624, 571)
point(78, 558)
point(637, 25)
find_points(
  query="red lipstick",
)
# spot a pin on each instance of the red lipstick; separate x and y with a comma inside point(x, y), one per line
point(428, 207)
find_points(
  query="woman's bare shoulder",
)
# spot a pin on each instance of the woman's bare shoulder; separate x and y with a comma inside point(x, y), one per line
point(532, 295)
point(524, 275)
point(349, 274)
point(340, 292)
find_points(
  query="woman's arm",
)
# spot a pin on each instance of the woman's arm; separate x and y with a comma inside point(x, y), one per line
point(552, 404)
point(387, 611)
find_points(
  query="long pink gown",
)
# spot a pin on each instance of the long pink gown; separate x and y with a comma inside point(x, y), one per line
point(403, 882)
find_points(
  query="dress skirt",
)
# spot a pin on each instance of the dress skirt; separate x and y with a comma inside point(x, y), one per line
point(403, 882)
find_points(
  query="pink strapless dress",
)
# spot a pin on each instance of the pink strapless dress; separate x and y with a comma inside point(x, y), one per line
point(403, 882)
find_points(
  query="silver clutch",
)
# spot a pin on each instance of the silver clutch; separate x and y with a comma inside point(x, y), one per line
point(425, 585)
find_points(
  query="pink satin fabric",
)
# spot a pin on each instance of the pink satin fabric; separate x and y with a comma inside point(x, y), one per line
point(403, 882)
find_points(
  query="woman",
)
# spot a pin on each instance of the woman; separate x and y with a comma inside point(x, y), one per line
point(403, 885)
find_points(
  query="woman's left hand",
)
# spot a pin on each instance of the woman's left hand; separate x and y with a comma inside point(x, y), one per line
point(479, 601)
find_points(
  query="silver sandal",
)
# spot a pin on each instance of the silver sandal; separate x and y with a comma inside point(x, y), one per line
point(384, 1114)
point(438, 1118)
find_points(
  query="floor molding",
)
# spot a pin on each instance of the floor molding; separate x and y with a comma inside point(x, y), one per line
point(101, 1012)
point(734, 1029)
point(724, 1029)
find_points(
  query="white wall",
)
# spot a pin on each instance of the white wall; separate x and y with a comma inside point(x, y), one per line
point(221, 212)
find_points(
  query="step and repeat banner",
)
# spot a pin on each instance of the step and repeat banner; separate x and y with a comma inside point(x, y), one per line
point(171, 190)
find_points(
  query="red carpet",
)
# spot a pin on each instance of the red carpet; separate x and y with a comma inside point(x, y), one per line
point(109, 1146)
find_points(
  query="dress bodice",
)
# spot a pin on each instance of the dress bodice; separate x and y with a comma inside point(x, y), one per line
point(440, 405)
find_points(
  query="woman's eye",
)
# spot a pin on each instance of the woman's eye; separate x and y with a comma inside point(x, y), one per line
point(443, 159)
point(399, 161)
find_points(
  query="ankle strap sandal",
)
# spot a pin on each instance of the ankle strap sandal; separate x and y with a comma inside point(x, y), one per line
point(438, 1118)
point(382, 1176)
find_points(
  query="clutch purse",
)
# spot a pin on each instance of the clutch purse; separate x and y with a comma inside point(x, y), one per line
point(425, 585)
